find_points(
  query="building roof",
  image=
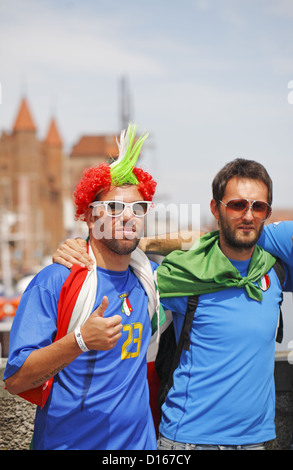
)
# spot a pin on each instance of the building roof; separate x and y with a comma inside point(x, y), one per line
point(280, 214)
point(95, 145)
point(24, 120)
point(53, 138)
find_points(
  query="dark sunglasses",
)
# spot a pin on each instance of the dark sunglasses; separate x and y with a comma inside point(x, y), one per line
point(236, 208)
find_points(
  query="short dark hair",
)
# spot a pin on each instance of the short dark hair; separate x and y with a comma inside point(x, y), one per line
point(241, 168)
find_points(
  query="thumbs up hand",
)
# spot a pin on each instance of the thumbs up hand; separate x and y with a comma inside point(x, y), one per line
point(99, 333)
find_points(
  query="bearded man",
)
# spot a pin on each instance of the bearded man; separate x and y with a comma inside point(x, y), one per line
point(79, 339)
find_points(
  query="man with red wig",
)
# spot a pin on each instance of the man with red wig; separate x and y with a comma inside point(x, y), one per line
point(79, 339)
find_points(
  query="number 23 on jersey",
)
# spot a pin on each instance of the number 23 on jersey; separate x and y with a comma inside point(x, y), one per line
point(132, 344)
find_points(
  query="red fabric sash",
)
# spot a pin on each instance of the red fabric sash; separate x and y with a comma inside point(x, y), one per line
point(154, 385)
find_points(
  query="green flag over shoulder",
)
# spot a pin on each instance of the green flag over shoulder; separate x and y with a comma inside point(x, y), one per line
point(205, 268)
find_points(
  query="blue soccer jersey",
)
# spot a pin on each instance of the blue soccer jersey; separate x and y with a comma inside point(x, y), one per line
point(101, 399)
point(223, 390)
point(277, 239)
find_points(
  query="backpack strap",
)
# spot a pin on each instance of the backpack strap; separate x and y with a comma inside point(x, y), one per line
point(280, 271)
point(183, 343)
point(184, 339)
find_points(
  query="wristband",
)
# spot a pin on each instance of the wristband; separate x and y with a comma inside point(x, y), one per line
point(80, 340)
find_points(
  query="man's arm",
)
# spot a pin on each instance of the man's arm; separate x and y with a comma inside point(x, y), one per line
point(166, 243)
point(98, 334)
point(73, 251)
point(42, 364)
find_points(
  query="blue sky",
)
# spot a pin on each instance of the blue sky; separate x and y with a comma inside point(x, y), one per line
point(208, 79)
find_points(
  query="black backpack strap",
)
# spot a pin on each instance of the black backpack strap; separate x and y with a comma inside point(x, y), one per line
point(184, 340)
point(280, 271)
point(280, 331)
point(183, 343)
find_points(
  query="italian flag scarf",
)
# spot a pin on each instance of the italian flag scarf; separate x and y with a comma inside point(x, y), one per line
point(76, 303)
point(206, 269)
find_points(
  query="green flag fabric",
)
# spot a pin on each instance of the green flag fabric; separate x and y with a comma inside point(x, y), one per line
point(205, 268)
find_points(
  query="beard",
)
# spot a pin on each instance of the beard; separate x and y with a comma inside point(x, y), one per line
point(121, 247)
point(121, 240)
point(237, 240)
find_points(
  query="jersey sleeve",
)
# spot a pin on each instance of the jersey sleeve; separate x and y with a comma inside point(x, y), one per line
point(175, 304)
point(277, 239)
point(34, 324)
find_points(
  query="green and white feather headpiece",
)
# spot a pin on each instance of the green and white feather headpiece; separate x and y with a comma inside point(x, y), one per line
point(122, 168)
point(119, 172)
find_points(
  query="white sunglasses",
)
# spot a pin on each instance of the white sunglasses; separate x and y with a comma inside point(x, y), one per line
point(117, 208)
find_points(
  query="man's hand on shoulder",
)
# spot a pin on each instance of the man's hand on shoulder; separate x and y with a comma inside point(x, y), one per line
point(73, 251)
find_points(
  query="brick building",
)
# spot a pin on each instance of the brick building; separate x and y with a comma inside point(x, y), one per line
point(31, 190)
point(37, 180)
point(89, 151)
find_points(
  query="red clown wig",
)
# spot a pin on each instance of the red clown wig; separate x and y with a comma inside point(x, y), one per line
point(119, 172)
point(97, 179)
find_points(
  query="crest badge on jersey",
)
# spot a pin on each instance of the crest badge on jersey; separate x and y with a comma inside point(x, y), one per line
point(126, 307)
point(264, 283)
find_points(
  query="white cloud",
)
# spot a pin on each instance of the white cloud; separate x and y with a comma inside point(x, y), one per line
point(68, 43)
point(281, 8)
point(203, 5)
point(209, 78)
